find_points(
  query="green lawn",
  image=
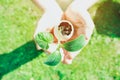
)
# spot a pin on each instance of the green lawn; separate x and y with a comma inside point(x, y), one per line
point(19, 59)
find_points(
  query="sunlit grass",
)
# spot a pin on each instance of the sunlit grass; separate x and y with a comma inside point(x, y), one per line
point(19, 60)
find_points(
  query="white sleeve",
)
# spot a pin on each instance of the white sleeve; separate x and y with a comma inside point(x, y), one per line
point(47, 5)
point(50, 18)
point(84, 4)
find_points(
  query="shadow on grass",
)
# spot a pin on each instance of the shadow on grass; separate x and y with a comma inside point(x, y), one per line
point(107, 19)
point(23, 54)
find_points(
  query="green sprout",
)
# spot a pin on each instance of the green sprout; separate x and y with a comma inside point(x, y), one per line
point(43, 39)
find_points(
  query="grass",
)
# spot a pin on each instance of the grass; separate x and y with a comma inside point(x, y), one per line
point(19, 59)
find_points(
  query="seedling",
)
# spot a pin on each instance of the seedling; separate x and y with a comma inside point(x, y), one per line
point(63, 32)
point(43, 39)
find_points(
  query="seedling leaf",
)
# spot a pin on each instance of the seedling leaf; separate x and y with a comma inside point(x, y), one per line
point(44, 39)
point(54, 58)
point(75, 44)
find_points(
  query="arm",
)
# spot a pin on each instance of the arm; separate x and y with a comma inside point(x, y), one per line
point(78, 15)
point(52, 15)
point(47, 5)
point(83, 4)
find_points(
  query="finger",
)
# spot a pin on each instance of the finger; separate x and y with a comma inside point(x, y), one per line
point(52, 32)
point(67, 58)
point(63, 17)
point(72, 55)
point(67, 54)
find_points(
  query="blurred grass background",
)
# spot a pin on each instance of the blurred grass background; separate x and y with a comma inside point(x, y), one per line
point(19, 59)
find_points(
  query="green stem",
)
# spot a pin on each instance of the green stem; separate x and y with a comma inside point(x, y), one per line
point(58, 46)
